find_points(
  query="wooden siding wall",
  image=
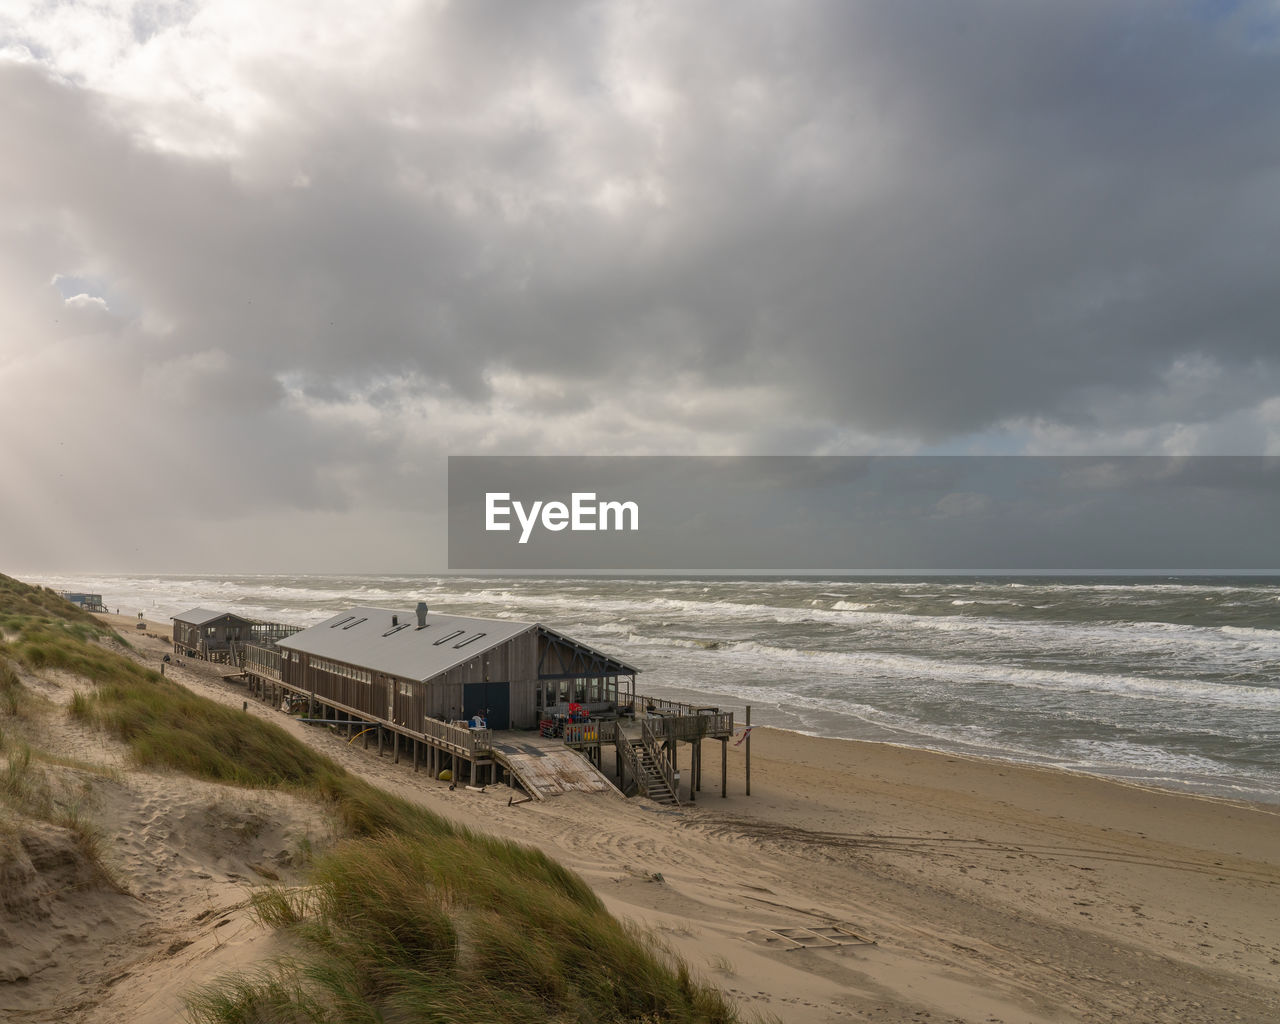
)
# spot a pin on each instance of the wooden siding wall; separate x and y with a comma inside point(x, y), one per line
point(514, 662)
point(225, 628)
point(524, 704)
point(412, 702)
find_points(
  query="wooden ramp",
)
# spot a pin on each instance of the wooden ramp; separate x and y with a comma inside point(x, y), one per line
point(548, 768)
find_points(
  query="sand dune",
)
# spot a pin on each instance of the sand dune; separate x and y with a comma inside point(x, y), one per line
point(858, 882)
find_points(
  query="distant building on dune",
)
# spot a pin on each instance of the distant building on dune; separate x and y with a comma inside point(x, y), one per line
point(89, 602)
point(221, 636)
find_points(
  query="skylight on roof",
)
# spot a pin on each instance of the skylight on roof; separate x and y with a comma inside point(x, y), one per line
point(463, 643)
point(356, 623)
point(452, 636)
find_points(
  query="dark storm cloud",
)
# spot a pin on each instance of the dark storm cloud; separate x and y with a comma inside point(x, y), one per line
point(1056, 204)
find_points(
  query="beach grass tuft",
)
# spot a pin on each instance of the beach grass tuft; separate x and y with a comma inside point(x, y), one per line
point(11, 690)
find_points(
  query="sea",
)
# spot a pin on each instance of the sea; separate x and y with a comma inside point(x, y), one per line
point(1172, 682)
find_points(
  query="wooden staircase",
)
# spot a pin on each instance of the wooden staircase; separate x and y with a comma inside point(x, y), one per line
point(654, 784)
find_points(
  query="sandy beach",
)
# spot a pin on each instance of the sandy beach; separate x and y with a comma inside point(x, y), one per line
point(948, 888)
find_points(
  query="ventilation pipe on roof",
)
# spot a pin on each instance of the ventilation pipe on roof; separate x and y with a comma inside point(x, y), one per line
point(422, 614)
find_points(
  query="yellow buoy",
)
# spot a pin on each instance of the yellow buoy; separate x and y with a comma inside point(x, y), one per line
point(445, 776)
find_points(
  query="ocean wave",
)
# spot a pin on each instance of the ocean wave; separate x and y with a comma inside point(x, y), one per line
point(1096, 754)
point(1264, 634)
point(953, 674)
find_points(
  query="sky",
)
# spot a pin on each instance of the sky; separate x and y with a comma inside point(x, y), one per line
point(263, 267)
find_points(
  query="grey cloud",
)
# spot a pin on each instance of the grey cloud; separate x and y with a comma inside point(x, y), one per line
point(903, 223)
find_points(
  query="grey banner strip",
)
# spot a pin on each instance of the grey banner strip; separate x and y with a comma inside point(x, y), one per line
point(831, 515)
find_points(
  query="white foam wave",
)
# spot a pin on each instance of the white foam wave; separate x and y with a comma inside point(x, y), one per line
point(955, 674)
point(1272, 635)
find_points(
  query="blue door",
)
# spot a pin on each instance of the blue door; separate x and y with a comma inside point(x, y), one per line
point(495, 698)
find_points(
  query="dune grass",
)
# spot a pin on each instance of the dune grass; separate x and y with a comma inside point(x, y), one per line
point(29, 791)
point(411, 917)
point(400, 929)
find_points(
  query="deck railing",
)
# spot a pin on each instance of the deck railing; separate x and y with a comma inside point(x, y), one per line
point(459, 739)
point(262, 662)
point(270, 632)
point(588, 734)
point(662, 706)
point(630, 762)
point(691, 727)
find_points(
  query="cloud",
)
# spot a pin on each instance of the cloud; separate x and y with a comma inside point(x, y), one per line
point(83, 300)
point(344, 240)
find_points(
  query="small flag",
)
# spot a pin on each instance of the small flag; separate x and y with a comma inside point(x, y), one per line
point(745, 733)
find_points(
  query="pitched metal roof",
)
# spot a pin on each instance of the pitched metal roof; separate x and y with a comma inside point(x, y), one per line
point(199, 616)
point(363, 637)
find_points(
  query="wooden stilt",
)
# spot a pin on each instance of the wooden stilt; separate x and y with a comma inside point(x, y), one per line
point(724, 769)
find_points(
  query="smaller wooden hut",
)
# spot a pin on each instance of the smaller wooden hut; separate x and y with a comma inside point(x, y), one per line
point(221, 636)
point(202, 633)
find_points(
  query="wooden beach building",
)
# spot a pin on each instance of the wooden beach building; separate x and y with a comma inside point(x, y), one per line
point(222, 636)
point(422, 676)
point(417, 679)
point(408, 667)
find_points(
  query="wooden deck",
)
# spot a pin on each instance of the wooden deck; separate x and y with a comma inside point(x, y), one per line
point(645, 751)
point(546, 767)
